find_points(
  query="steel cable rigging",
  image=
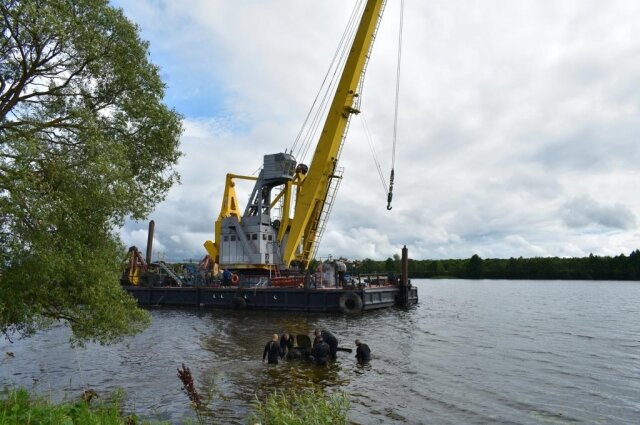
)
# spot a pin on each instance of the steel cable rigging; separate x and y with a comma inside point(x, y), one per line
point(309, 129)
point(308, 132)
point(395, 118)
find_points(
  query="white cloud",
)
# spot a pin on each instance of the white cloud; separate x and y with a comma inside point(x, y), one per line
point(517, 133)
point(138, 237)
point(521, 244)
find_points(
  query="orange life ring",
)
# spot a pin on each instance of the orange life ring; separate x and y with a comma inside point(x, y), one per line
point(235, 278)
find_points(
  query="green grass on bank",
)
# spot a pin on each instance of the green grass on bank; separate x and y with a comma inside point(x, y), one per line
point(310, 407)
point(18, 407)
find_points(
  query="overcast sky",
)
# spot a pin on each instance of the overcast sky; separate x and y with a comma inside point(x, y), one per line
point(517, 136)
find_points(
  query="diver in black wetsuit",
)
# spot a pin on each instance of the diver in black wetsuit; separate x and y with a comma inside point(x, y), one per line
point(272, 350)
point(330, 340)
point(286, 344)
point(363, 352)
point(320, 351)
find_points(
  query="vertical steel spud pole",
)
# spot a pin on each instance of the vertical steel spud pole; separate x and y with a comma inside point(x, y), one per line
point(152, 226)
point(404, 279)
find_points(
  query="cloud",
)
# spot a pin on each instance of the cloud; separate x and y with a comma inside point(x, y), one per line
point(138, 238)
point(517, 132)
point(583, 212)
point(521, 244)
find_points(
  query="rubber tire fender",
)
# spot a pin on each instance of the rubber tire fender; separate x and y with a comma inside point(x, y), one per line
point(239, 303)
point(350, 303)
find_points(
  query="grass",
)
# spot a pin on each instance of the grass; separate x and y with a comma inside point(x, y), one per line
point(309, 407)
point(18, 407)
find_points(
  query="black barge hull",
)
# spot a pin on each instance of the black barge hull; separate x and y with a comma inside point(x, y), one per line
point(273, 298)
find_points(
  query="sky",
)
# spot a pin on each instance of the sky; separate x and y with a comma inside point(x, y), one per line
point(517, 132)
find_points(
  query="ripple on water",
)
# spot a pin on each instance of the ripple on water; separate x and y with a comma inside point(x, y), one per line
point(471, 352)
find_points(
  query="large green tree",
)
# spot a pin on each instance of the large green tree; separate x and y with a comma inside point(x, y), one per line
point(85, 141)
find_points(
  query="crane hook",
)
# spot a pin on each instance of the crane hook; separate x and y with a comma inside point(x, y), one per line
point(390, 195)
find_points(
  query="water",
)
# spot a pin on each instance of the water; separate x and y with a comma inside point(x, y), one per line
point(472, 352)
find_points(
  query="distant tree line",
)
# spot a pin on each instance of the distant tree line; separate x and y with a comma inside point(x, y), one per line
point(593, 267)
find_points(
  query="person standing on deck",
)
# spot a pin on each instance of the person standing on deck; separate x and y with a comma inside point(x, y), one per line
point(272, 350)
point(342, 270)
point(363, 352)
point(226, 277)
point(329, 339)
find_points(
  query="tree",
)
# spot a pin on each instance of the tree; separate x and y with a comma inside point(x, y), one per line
point(475, 267)
point(634, 260)
point(85, 141)
point(367, 266)
point(389, 265)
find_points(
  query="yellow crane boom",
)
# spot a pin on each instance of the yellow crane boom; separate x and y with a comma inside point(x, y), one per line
point(253, 240)
point(313, 190)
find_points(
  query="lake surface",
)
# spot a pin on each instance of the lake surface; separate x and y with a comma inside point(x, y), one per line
point(472, 352)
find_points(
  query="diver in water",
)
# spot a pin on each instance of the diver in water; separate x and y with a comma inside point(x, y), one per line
point(286, 344)
point(363, 352)
point(272, 350)
point(330, 340)
point(320, 352)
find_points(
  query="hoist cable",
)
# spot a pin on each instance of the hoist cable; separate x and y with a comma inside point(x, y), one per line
point(395, 118)
point(373, 152)
point(321, 112)
point(323, 109)
point(333, 60)
point(335, 63)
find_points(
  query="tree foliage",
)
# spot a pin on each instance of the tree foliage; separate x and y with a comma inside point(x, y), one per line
point(85, 141)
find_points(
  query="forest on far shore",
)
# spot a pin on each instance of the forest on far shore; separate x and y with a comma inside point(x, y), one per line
point(593, 267)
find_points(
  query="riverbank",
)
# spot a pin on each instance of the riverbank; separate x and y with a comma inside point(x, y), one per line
point(19, 407)
point(313, 406)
